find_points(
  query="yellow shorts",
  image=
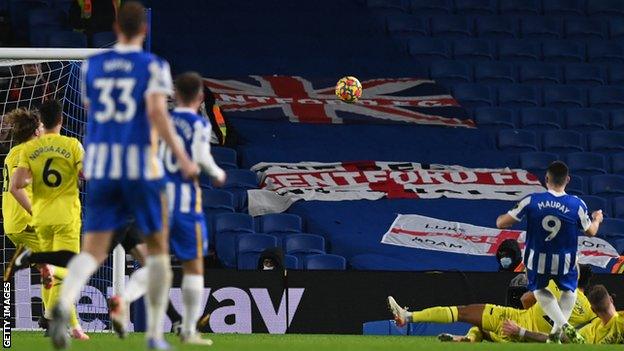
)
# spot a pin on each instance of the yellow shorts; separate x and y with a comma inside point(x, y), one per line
point(28, 237)
point(494, 316)
point(60, 237)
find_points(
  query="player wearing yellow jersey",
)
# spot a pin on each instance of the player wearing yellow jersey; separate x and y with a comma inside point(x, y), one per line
point(51, 164)
point(608, 328)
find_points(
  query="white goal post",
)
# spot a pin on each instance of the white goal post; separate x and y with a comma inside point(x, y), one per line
point(27, 77)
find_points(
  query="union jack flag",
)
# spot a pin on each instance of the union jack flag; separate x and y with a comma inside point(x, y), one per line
point(384, 100)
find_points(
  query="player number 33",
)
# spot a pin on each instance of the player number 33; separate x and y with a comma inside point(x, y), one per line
point(112, 108)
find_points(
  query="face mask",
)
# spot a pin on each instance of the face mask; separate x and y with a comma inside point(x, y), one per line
point(505, 262)
point(267, 268)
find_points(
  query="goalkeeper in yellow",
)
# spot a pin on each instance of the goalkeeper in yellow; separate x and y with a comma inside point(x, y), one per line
point(51, 164)
point(488, 319)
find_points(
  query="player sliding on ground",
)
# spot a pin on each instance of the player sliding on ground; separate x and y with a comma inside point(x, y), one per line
point(52, 163)
point(608, 328)
point(554, 219)
point(188, 232)
point(488, 318)
point(125, 92)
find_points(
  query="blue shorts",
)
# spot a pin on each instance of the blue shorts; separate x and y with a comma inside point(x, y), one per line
point(188, 236)
point(567, 282)
point(109, 203)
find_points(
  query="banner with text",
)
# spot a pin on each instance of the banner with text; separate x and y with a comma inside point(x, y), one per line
point(285, 183)
point(421, 232)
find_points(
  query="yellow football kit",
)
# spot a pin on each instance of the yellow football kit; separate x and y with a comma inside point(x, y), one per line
point(610, 333)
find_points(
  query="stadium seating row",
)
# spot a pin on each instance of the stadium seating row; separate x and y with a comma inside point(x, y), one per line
point(506, 7)
point(522, 95)
point(613, 208)
point(580, 163)
point(450, 72)
point(561, 141)
point(543, 118)
point(516, 50)
point(499, 27)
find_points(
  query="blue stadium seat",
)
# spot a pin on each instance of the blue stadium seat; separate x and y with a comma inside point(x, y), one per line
point(562, 96)
point(519, 50)
point(429, 49)
point(495, 118)
point(616, 74)
point(475, 7)
point(494, 73)
point(431, 7)
point(607, 185)
point(228, 227)
point(473, 95)
point(517, 140)
point(563, 51)
point(40, 35)
point(325, 262)
point(519, 7)
point(451, 27)
point(586, 119)
point(617, 163)
point(607, 97)
point(400, 5)
point(249, 248)
point(541, 27)
point(584, 75)
point(218, 200)
point(473, 50)
point(586, 163)
point(103, 39)
point(540, 118)
point(47, 16)
point(585, 29)
point(225, 157)
point(563, 8)
point(576, 186)
point(618, 207)
point(611, 228)
point(595, 203)
point(450, 72)
point(540, 73)
point(516, 96)
point(605, 52)
point(67, 39)
point(18, 13)
point(300, 245)
point(234, 222)
point(291, 262)
point(605, 7)
point(616, 29)
point(606, 141)
point(280, 224)
point(562, 141)
point(537, 162)
point(63, 5)
point(240, 180)
point(406, 26)
point(617, 120)
point(496, 27)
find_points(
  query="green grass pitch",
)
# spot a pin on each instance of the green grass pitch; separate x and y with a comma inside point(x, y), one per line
point(34, 341)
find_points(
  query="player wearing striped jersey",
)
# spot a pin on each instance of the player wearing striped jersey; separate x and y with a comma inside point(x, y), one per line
point(125, 92)
point(51, 163)
point(554, 220)
point(188, 232)
point(608, 328)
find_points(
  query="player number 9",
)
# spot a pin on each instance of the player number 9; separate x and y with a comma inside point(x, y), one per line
point(552, 225)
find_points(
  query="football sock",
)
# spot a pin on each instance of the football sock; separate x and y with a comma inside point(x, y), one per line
point(566, 303)
point(172, 313)
point(45, 296)
point(192, 294)
point(136, 285)
point(79, 270)
point(57, 258)
point(159, 282)
point(436, 315)
point(549, 304)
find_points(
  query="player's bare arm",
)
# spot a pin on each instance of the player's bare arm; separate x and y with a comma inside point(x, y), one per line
point(505, 221)
point(511, 329)
point(597, 218)
point(20, 180)
point(528, 300)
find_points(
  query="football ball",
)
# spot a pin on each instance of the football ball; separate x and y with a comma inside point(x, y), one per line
point(348, 89)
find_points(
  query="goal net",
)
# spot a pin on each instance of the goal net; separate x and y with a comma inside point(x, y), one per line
point(25, 82)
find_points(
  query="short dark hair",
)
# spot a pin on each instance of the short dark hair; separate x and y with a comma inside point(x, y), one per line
point(51, 113)
point(558, 173)
point(131, 18)
point(599, 298)
point(187, 86)
point(585, 276)
point(24, 123)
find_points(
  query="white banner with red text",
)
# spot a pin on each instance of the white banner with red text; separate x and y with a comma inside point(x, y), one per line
point(421, 232)
point(285, 183)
